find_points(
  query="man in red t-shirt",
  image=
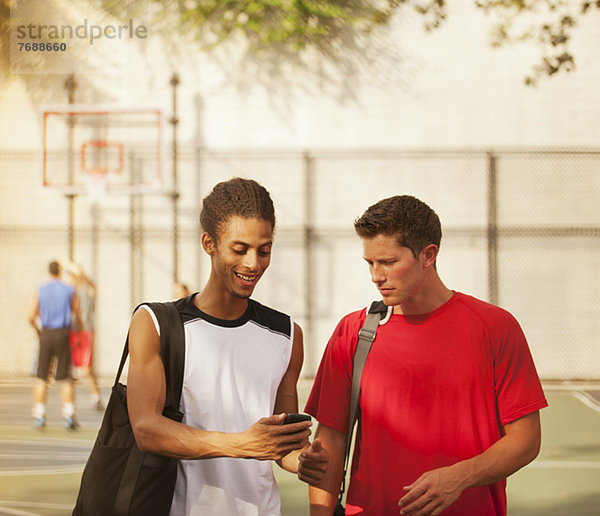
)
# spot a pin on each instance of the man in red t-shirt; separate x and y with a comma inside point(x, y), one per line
point(449, 393)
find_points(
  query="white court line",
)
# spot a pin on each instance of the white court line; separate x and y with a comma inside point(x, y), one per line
point(75, 455)
point(588, 400)
point(570, 386)
point(65, 443)
point(35, 505)
point(16, 512)
point(565, 464)
point(78, 456)
point(75, 468)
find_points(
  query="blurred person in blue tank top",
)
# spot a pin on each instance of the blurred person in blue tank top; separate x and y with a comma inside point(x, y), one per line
point(50, 315)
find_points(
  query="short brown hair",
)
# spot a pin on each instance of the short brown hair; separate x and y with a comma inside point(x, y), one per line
point(236, 197)
point(54, 268)
point(414, 224)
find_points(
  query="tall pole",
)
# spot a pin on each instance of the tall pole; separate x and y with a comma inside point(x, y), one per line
point(492, 230)
point(175, 193)
point(199, 104)
point(136, 262)
point(70, 86)
point(308, 261)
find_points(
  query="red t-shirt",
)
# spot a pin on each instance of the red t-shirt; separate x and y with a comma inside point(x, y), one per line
point(436, 389)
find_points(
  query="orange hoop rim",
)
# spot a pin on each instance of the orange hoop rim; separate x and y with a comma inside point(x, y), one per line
point(99, 170)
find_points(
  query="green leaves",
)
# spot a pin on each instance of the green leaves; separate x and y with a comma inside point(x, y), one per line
point(333, 28)
point(291, 24)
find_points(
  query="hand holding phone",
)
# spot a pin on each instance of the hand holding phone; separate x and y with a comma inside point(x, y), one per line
point(295, 418)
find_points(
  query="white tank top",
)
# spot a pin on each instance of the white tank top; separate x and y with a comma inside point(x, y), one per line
point(232, 372)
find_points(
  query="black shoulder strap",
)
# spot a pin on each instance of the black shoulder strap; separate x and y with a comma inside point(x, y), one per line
point(366, 335)
point(172, 347)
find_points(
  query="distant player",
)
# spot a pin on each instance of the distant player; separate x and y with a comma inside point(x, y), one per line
point(50, 314)
point(82, 339)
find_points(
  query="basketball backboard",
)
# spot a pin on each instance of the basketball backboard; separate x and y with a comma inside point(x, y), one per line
point(87, 149)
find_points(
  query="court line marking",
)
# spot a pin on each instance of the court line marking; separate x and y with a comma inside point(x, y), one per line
point(16, 512)
point(50, 470)
point(36, 505)
point(570, 386)
point(587, 399)
point(78, 458)
point(49, 441)
point(51, 456)
point(564, 464)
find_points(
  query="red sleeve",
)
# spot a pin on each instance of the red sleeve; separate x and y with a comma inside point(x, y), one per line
point(330, 396)
point(518, 388)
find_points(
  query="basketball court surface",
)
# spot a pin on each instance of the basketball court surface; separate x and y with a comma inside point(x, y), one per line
point(40, 471)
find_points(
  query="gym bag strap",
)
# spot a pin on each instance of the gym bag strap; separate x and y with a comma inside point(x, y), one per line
point(119, 479)
point(366, 335)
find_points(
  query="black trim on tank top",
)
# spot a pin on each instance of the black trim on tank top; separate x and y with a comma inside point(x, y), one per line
point(261, 315)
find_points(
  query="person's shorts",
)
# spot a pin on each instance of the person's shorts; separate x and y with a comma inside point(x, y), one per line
point(82, 347)
point(54, 343)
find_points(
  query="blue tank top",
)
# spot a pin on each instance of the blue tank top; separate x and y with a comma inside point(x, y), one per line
point(55, 304)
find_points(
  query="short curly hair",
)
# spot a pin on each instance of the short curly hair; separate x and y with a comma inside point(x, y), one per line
point(236, 197)
point(412, 222)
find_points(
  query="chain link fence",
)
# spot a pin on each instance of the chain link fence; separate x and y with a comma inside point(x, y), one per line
point(521, 229)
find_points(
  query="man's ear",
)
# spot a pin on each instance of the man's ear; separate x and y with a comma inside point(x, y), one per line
point(429, 254)
point(208, 243)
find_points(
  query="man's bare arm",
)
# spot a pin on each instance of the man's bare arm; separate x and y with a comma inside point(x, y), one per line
point(436, 490)
point(309, 462)
point(286, 401)
point(267, 439)
point(287, 392)
point(324, 494)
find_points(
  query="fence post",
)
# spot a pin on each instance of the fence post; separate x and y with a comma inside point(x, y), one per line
point(492, 229)
point(308, 263)
point(136, 234)
point(175, 193)
point(198, 150)
point(70, 86)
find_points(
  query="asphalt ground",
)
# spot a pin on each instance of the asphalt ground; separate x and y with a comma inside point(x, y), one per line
point(40, 470)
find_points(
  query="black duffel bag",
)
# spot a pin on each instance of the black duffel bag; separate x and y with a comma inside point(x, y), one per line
point(119, 479)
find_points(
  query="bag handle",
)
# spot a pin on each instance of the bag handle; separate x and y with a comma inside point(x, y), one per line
point(172, 347)
point(378, 313)
point(172, 351)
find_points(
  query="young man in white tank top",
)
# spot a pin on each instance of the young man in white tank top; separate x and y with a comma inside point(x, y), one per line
point(242, 364)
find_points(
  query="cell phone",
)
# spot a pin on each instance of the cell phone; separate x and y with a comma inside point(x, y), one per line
point(295, 418)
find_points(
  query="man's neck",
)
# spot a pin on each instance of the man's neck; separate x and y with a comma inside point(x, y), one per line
point(222, 305)
point(428, 300)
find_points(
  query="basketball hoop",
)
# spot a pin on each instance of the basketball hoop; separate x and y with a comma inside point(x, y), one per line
point(102, 151)
point(102, 155)
point(99, 160)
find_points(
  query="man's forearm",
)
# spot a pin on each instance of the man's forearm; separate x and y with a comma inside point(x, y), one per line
point(163, 436)
point(439, 488)
point(324, 494)
point(322, 502)
point(516, 449)
point(290, 462)
point(267, 439)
